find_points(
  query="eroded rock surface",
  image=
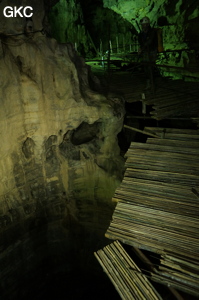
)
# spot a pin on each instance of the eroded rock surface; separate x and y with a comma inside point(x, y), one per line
point(179, 24)
point(177, 18)
point(59, 156)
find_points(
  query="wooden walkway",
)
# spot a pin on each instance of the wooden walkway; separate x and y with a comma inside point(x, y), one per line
point(125, 274)
point(158, 205)
point(171, 98)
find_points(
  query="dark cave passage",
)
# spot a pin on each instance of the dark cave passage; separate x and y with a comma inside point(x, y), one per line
point(73, 99)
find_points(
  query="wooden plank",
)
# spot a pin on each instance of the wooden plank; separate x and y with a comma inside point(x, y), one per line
point(173, 130)
point(163, 148)
point(174, 143)
point(170, 282)
point(188, 110)
point(140, 131)
point(168, 177)
point(173, 102)
point(124, 274)
point(157, 205)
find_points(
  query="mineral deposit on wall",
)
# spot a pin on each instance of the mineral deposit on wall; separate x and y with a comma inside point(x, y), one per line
point(59, 157)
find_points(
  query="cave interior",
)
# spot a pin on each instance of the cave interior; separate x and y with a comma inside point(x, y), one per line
point(73, 100)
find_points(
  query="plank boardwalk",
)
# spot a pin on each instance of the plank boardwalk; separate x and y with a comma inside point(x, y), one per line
point(158, 205)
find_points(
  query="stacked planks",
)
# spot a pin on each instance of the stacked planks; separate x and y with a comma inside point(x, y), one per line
point(178, 272)
point(125, 274)
point(175, 99)
point(123, 84)
point(158, 203)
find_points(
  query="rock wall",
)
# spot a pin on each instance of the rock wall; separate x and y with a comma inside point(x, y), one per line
point(106, 26)
point(94, 26)
point(174, 16)
point(179, 21)
point(68, 25)
point(90, 27)
point(59, 157)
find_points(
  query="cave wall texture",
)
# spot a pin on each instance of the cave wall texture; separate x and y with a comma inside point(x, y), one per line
point(118, 21)
point(67, 24)
point(59, 157)
point(180, 18)
point(88, 24)
point(179, 21)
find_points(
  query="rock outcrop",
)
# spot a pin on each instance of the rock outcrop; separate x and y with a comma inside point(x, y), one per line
point(179, 24)
point(177, 17)
point(59, 157)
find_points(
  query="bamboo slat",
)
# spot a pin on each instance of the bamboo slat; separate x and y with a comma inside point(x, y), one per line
point(190, 144)
point(187, 110)
point(158, 205)
point(168, 177)
point(164, 148)
point(141, 131)
point(173, 130)
point(168, 101)
point(169, 281)
point(125, 274)
point(177, 101)
point(168, 229)
point(179, 272)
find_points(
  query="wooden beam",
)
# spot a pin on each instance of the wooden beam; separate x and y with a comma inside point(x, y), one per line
point(142, 131)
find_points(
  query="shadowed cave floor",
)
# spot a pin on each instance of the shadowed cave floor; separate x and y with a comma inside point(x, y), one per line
point(83, 283)
point(77, 286)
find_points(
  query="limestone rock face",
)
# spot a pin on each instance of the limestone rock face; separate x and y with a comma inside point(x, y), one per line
point(178, 17)
point(179, 24)
point(89, 26)
point(68, 24)
point(59, 156)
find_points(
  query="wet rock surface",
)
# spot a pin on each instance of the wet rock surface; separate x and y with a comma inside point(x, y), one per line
point(60, 160)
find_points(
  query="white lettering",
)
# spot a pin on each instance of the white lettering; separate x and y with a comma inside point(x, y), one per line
point(17, 11)
point(14, 12)
point(10, 12)
point(24, 11)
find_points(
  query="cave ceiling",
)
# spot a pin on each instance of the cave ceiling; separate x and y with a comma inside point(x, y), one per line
point(179, 19)
point(154, 9)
